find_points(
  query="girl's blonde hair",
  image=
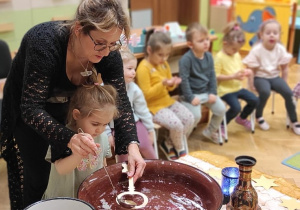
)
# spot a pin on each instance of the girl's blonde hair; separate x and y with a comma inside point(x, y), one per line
point(89, 98)
point(233, 33)
point(192, 28)
point(156, 39)
point(263, 26)
point(100, 15)
point(127, 55)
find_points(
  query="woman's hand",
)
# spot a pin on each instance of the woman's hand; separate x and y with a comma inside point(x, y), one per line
point(83, 144)
point(136, 164)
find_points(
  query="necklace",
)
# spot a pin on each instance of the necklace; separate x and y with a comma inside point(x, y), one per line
point(84, 73)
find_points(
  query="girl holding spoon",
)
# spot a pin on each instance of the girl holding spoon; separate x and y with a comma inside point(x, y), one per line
point(91, 108)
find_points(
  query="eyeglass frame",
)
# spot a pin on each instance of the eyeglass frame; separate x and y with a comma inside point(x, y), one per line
point(118, 45)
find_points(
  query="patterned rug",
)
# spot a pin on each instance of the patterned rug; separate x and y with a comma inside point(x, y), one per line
point(293, 161)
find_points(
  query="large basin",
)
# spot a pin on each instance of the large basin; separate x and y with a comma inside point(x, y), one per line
point(167, 184)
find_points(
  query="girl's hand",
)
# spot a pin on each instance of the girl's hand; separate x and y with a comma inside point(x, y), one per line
point(247, 72)
point(177, 80)
point(196, 101)
point(212, 98)
point(239, 75)
point(83, 144)
point(171, 82)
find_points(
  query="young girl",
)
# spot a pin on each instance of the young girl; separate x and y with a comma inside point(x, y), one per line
point(266, 59)
point(155, 79)
point(91, 108)
point(230, 74)
point(199, 86)
point(141, 113)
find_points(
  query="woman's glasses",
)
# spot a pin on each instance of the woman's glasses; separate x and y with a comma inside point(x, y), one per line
point(102, 46)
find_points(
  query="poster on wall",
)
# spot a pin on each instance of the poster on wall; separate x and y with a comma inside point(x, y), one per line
point(251, 14)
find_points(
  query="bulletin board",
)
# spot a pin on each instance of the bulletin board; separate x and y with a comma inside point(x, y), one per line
point(251, 14)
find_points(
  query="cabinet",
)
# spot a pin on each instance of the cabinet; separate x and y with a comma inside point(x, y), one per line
point(164, 11)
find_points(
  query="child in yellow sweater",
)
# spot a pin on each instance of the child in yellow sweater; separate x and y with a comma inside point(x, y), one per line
point(155, 79)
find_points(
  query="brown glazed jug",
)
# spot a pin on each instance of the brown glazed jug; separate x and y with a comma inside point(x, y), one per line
point(244, 196)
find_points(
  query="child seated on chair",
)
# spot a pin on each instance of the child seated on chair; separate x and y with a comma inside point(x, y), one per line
point(155, 79)
point(141, 113)
point(199, 86)
point(230, 74)
point(267, 58)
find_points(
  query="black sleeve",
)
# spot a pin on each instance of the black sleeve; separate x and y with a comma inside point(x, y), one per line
point(43, 57)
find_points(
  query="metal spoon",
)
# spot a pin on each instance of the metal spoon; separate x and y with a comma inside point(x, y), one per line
point(126, 203)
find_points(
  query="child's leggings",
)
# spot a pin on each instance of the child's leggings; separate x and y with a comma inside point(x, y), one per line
point(178, 120)
point(264, 86)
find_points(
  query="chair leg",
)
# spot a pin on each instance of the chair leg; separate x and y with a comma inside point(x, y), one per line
point(288, 122)
point(252, 120)
point(273, 101)
point(225, 128)
point(185, 144)
point(155, 144)
point(220, 136)
point(156, 128)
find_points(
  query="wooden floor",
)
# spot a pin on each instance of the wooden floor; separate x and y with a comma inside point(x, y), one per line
point(268, 147)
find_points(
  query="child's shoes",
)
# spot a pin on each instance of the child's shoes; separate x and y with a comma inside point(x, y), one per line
point(244, 122)
point(263, 124)
point(214, 137)
point(168, 150)
point(296, 128)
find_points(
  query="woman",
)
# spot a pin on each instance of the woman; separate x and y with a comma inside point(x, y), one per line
point(53, 60)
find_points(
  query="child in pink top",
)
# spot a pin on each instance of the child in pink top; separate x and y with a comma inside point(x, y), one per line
point(267, 59)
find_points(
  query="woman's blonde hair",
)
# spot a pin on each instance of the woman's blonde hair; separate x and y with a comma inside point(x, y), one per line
point(89, 98)
point(233, 33)
point(100, 15)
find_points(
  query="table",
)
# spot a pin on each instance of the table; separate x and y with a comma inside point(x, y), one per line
point(268, 199)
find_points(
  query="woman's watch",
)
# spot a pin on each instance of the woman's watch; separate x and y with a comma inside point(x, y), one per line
point(133, 142)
